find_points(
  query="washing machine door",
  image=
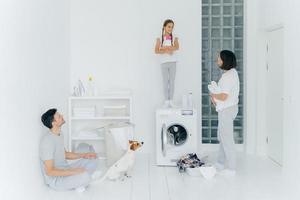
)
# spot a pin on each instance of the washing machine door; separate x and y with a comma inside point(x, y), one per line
point(164, 139)
point(177, 135)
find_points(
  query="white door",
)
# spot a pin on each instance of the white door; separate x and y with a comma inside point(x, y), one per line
point(274, 94)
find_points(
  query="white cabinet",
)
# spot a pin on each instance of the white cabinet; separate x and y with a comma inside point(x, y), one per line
point(88, 116)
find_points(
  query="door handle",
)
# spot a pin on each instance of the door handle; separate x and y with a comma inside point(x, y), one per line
point(164, 139)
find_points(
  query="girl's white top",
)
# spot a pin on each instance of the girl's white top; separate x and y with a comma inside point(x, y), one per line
point(164, 58)
point(229, 83)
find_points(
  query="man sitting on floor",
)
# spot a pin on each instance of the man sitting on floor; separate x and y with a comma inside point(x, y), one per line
point(58, 174)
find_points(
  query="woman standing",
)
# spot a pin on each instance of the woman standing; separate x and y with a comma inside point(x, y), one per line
point(227, 107)
point(166, 47)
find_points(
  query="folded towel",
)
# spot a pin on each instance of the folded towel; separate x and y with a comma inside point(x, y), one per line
point(215, 89)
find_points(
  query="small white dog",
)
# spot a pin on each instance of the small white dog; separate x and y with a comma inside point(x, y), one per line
point(121, 168)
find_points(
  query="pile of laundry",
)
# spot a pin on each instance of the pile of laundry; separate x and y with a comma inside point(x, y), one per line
point(190, 160)
point(191, 164)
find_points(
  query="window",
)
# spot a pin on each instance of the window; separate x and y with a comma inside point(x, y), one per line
point(222, 28)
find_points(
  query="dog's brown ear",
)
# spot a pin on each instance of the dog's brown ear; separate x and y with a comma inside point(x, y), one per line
point(130, 141)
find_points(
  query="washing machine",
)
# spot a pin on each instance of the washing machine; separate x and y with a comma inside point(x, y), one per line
point(176, 135)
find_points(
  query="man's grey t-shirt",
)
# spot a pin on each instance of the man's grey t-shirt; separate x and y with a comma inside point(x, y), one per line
point(52, 148)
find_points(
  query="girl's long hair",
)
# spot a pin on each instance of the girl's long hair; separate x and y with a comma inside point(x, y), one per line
point(166, 22)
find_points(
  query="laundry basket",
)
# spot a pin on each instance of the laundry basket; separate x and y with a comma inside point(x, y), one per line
point(117, 137)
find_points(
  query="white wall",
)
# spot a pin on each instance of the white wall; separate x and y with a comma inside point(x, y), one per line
point(267, 14)
point(250, 63)
point(270, 14)
point(114, 41)
point(259, 15)
point(34, 76)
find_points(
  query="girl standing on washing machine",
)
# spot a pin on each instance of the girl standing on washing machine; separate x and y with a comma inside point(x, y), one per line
point(226, 101)
point(167, 47)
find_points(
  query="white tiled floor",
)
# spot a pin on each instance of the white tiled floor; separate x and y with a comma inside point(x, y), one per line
point(257, 179)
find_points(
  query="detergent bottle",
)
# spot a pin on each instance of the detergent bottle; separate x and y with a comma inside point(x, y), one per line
point(91, 87)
